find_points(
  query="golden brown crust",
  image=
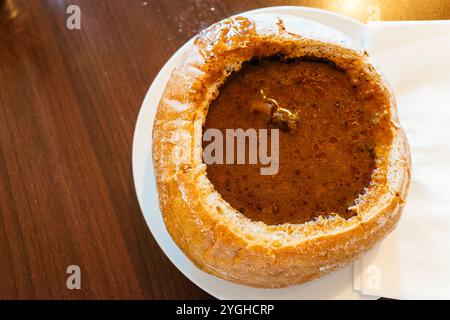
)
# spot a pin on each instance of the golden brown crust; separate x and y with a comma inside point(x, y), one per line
point(216, 237)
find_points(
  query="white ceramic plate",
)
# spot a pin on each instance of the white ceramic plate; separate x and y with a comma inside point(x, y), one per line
point(337, 285)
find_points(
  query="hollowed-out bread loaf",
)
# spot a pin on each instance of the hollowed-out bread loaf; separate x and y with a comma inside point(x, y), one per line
point(217, 237)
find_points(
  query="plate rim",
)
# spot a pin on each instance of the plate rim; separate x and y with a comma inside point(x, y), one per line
point(141, 126)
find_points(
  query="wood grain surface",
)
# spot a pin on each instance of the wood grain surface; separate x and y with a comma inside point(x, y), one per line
point(68, 105)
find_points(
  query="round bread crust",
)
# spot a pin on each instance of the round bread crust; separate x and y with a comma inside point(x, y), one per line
point(215, 236)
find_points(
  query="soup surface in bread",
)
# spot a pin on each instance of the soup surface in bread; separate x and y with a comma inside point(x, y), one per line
point(326, 140)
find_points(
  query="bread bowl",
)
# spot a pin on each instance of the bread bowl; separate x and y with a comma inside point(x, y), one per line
point(256, 249)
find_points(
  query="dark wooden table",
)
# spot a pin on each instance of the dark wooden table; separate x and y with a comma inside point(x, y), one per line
point(68, 105)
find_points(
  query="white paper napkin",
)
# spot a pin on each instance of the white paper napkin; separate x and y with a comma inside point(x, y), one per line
point(414, 261)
